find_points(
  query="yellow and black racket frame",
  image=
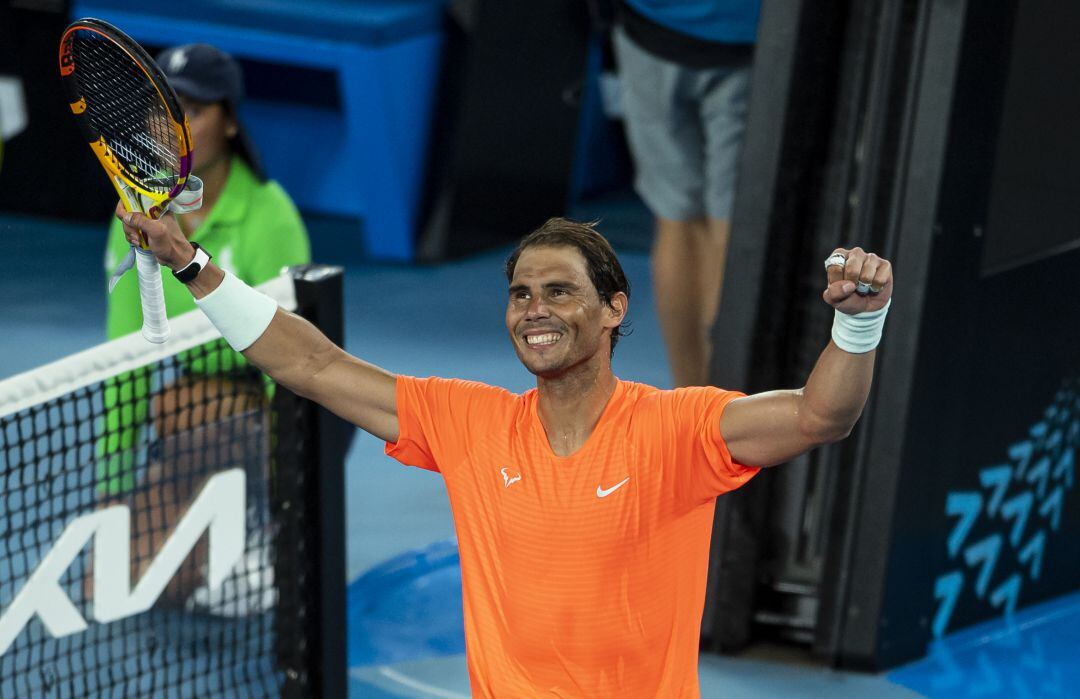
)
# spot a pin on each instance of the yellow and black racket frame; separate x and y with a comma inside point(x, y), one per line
point(77, 101)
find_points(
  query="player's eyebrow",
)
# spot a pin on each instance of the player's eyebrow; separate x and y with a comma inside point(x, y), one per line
point(560, 284)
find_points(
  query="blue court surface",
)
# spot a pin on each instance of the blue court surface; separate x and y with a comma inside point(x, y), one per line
point(1033, 655)
point(404, 603)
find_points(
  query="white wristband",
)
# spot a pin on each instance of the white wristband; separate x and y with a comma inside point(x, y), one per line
point(861, 332)
point(241, 314)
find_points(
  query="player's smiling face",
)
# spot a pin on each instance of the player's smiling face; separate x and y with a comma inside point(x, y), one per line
point(555, 316)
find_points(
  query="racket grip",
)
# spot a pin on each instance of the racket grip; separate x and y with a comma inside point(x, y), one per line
point(155, 323)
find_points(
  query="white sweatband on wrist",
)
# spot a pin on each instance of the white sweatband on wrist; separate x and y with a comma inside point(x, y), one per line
point(241, 314)
point(861, 332)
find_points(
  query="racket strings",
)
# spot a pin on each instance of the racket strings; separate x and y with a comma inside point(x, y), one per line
point(124, 108)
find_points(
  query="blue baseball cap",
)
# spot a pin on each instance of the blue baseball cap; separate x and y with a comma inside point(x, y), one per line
point(205, 73)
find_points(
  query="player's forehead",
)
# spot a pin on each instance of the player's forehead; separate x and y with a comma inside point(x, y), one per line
point(542, 263)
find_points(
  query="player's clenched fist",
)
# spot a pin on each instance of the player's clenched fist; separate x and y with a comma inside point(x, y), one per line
point(163, 236)
point(859, 281)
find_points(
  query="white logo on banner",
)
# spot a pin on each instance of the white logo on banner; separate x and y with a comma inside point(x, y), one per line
point(219, 509)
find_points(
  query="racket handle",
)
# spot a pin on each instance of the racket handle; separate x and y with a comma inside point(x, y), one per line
point(155, 323)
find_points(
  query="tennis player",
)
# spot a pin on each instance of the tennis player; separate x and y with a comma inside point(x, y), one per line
point(584, 507)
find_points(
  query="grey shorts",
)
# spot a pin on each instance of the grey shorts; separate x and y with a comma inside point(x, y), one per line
point(685, 129)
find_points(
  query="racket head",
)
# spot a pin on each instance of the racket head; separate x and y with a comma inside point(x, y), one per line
point(127, 112)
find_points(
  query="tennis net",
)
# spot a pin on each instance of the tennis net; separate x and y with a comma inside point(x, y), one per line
point(166, 518)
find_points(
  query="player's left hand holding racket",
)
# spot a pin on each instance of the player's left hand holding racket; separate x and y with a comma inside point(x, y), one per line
point(136, 128)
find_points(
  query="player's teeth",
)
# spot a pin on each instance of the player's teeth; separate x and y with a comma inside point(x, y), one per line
point(542, 339)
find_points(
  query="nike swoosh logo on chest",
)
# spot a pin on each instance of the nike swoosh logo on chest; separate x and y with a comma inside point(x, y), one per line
point(601, 492)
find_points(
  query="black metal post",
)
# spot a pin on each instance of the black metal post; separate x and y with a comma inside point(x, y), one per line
point(310, 507)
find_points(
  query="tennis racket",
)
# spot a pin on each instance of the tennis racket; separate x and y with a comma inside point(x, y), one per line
point(134, 124)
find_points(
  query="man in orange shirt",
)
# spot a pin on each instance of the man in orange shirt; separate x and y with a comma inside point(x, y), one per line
point(583, 507)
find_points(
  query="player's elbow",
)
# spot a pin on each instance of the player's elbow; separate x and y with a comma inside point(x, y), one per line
point(305, 375)
point(825, 422)
point(319, 362)
point(826, 429)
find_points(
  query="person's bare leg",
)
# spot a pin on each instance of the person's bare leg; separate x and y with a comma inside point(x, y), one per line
point(678, 292)
point(687, 265)
point(712, 260)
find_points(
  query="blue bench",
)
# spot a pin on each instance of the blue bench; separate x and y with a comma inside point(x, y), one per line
point(365, 160)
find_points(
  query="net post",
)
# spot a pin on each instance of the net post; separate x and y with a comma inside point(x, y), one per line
point(314, 512)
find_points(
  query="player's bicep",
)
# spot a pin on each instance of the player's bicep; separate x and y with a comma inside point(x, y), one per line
point(360, 393)
point(765, 429)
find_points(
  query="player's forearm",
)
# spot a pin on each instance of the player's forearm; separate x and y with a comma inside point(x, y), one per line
point(298, 355)
point(835, 393)
point(291, 350)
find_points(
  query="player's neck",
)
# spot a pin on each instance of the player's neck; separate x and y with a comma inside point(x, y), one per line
point(570, 405)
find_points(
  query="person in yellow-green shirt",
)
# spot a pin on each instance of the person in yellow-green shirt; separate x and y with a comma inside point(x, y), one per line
point(253, 229)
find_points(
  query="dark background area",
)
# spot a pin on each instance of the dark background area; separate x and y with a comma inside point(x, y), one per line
point(47, 169)
point(1035, 193)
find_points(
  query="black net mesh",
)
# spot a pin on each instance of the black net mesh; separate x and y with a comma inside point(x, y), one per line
point(125, 110)
point(188, 452)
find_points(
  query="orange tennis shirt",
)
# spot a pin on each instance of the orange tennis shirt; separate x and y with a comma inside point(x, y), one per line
point(582, 576)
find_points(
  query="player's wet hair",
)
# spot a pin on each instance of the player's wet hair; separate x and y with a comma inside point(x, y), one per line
point(605, 272)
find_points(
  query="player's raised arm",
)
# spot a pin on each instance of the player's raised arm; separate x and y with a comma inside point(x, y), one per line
point(774, 427)
point(288, 348)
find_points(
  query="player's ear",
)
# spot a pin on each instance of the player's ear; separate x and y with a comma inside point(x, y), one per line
point(617, 307)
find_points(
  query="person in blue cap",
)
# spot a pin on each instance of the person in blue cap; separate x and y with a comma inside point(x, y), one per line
point(249, 221)
point(253, 229)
